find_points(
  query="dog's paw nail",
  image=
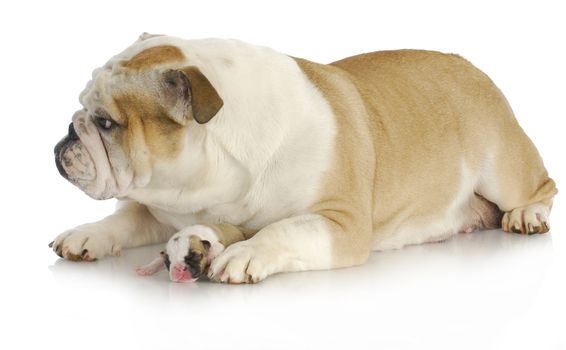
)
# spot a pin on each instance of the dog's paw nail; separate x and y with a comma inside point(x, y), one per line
point(545, 227)
point(530, 229)
point(51, 244)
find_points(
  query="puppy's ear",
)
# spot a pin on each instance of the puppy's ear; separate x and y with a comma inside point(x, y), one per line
point(187, 94)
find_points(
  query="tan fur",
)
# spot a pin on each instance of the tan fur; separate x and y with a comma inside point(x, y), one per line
point(148, 124)
point(228, 234)
point(197, 247)
point(345, 199)
point(421, 113)
point(153, 56)
point(205, 101)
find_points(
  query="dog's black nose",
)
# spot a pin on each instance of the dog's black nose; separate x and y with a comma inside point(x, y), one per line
point(72, 133)
point(61, 146)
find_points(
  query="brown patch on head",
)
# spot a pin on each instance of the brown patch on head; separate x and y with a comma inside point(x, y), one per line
point(197, 256)
point(154, 56)
point(148, 133)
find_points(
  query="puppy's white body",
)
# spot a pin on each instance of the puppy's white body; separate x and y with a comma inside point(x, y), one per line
point(294, 155)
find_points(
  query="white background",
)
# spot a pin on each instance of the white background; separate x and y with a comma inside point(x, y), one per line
point(486, 290)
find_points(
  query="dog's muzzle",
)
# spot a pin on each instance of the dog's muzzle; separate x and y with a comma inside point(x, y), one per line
point(72, 159)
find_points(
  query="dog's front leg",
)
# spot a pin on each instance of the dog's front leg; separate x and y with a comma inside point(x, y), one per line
point(132, 225)
point(306, 242)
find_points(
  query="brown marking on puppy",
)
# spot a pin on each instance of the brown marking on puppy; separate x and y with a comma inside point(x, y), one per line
point(154, 56)
point(197, 257)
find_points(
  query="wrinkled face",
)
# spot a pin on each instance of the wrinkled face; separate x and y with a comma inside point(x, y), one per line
point(135, 113)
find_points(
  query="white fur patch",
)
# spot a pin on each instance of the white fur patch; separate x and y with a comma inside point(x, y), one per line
point(261, 158)
point(299, 243)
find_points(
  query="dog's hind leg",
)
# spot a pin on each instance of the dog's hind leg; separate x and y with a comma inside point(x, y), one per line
point(515, 179)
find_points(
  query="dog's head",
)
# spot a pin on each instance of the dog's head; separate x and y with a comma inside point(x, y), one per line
point(136, 110)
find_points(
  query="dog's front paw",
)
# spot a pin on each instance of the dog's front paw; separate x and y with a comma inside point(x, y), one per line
point(245, 262)
point(85, 242)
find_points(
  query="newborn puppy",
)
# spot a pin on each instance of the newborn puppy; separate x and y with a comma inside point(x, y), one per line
point(187, 256)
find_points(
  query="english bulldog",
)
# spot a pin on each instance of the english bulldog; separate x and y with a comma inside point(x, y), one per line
point(282, 164)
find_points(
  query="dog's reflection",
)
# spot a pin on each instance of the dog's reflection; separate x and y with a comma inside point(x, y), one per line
point(466, 253)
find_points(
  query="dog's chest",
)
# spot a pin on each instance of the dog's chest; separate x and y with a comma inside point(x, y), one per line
point(235, 214)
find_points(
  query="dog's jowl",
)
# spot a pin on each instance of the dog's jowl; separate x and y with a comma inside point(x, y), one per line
point(257, 162)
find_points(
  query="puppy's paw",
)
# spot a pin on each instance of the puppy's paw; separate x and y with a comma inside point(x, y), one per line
point(527, 220)
point(244, 262)
point(84, 243)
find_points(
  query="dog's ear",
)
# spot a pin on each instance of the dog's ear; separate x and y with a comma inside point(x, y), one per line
point(145, 35)
point(187, 94)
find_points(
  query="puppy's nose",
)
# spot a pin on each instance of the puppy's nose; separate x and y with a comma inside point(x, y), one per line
point(179, 273)
point(180, 268)
point(72, 133)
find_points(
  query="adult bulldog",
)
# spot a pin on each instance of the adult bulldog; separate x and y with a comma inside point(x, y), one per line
point(293, 165)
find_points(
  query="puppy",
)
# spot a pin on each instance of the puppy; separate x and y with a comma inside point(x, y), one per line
point(312, 165)
point(188, 254)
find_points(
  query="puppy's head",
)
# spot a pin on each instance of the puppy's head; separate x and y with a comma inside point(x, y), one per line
point(136, 111)
point(186, 257)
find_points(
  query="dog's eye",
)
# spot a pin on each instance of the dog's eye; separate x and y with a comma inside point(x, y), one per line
point(104, 123)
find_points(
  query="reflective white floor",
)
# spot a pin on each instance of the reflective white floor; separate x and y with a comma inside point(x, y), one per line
point(485, 290)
